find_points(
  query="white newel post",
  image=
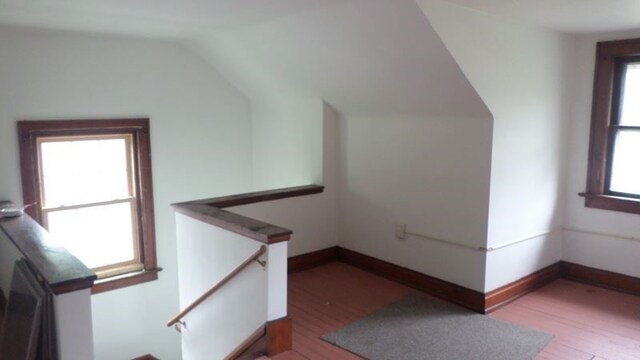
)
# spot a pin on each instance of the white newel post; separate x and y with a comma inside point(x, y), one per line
point(277, 281)
point(74, 325)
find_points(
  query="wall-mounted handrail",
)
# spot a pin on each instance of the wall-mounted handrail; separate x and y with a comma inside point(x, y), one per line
point(176, 319)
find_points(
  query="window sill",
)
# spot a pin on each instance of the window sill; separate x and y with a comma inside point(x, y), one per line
point(609, 202)
point(124, 280)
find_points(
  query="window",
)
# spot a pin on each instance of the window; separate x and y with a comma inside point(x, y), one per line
point(90, 181)
point(613, 178)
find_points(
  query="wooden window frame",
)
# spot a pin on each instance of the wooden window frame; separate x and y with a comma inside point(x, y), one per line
point(606, 100)
point(29, 131)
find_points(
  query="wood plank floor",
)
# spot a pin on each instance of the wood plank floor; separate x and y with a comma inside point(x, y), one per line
point(588, 323)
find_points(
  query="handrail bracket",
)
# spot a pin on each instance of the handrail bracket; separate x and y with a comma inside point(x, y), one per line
point(179, 325)
point(262, 263)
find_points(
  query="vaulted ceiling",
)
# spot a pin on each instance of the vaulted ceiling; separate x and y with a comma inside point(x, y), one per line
point(570, 16)
point(187, 17)
point(375, 56)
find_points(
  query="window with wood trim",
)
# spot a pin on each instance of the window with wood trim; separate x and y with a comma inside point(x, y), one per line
point(613, 178)
point(90, 183)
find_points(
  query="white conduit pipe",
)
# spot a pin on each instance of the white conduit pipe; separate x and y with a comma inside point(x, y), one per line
point(501, 246)
point(479, 248)
point(590, 232)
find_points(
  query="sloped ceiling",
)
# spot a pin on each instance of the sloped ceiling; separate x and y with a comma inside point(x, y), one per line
point(376, 56)
point(164, 18)
point(570, 16)
point(364, 57)
point(188, 17)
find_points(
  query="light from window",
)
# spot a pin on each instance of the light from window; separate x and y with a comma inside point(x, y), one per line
point(78, 170)
point(625, 169)
point(88, 199)
point(630, 96)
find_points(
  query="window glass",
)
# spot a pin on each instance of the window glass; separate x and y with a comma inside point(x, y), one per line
point(625, 169)
point(630, 95)
point(84, 171)
point(97, 235)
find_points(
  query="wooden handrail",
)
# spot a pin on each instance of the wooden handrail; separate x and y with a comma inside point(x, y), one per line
point(216, 287)
point(63, 272)
point(211, 212)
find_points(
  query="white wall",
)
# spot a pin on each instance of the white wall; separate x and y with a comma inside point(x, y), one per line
point(294, 134)
point(287, 123)
point(287, 135)
point(597, 238)
point(382, 66)
point(430, 173)
point(312, 218)
point(206, 254)
point(73, 325)
point(523, 75)
point(199, 127)
point(426, 167)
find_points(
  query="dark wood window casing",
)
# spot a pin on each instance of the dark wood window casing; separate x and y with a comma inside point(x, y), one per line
point(30, 131)
point(610, 58)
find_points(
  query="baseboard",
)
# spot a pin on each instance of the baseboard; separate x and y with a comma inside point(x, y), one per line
point(445, 290)
point(601, 278)
point(250, 346)
point(279, 336)
point(312, 259)
point(471, 299)
point(507, 293)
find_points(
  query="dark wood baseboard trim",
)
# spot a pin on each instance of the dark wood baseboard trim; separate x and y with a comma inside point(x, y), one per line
point(312, 259)
point(259, 196)
point(251, 345)
point(471, 299)
point(279, 336)
point(270, 339)
point(601, 278)
point(507, 293)
point(457, 294)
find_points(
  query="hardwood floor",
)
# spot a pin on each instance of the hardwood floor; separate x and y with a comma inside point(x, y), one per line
point(588, 323)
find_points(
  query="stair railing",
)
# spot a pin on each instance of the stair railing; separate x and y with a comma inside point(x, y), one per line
point(177, 320)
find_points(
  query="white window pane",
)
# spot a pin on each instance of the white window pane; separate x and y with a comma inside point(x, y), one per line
point(98, 235)
point(630, 105)
point(625, 169)
point(84, 171)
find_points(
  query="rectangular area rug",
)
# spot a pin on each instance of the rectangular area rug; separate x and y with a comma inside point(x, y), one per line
point(416, 327)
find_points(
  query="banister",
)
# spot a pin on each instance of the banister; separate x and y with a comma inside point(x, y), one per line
point(257, 196)
point(176, 319)
point(211, 212)
point(62, 271)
